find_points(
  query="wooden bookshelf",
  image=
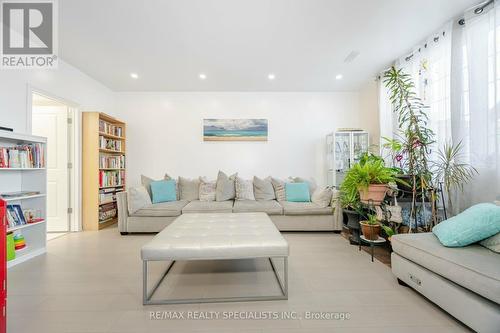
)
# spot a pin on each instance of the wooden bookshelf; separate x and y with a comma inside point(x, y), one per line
point(103, 152)
point(31, 179)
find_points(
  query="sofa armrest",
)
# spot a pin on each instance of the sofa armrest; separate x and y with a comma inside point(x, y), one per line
point(121, 201)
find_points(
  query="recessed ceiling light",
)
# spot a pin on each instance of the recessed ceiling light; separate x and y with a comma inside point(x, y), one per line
point(339, 77)
point(271, 76)
point(134, 75)
point(202, 76)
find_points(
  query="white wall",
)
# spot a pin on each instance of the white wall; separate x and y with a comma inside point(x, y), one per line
point(66, 82)
point(368, 106)
point(164, 132)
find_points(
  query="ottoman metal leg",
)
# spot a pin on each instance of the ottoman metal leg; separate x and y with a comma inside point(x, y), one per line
point(147, 296)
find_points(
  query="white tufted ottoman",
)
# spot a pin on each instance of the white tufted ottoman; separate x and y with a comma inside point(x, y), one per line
point(216, 237)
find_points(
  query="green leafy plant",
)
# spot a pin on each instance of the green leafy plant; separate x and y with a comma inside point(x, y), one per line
point(388, 230)
point(372, 219)
point(360, 176)
point(369, 157)
point(451, 170)
point(416, 137)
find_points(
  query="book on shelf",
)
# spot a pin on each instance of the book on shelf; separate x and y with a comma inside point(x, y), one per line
point(111, 178)
point(10, 195)
point(107, 212)
point(111, 161)
point(15, 216)
point(105, 127)
point(108, 195)
point(22, 156)
point(110, 144)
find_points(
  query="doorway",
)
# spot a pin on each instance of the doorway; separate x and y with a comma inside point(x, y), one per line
point(53, 119)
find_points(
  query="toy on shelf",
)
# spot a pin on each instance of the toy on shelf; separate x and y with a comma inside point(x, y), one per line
point(19, 242)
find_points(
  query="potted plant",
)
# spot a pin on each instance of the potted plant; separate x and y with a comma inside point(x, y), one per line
point(451, 170)
point(370, 180)
point(371, 227)
point(412, 151)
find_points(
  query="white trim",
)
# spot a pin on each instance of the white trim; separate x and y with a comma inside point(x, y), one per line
point(76, 172)
point(75, 220)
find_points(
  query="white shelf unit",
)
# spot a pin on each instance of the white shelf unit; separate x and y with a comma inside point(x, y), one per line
point(343, 149)
point(26, 179)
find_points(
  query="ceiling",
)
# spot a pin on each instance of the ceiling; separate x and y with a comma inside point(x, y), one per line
point(238, 43)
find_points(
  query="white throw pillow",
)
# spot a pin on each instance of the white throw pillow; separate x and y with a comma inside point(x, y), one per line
point(189, 189)
point(279, 189)
point(322, 197)
point(225, 188)
point(244, 189)
point(137, 198)
point(207, 189)
point(263, 189)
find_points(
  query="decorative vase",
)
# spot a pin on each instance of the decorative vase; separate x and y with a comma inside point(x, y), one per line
point(375, 194)
point(370, 231)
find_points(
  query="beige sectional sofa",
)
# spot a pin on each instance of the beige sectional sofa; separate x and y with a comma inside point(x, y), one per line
point(463, 281)
point(287, 216)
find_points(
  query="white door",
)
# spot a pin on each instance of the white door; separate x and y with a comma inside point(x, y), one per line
point(52, 122)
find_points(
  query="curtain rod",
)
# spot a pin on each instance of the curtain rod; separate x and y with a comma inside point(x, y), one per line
point(477, 10)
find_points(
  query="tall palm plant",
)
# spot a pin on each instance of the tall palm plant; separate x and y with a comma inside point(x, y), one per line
point(452, 171)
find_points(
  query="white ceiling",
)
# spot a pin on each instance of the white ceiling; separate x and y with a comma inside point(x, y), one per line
point(237, 43)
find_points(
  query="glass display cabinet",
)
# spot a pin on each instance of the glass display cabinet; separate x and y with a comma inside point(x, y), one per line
point(344, 148)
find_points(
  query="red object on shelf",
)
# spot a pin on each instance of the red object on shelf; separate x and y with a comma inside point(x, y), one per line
point(3, 267)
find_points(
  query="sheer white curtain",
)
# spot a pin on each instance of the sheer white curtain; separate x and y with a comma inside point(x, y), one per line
point(458, 76)
point(475, 91)
point(429, 65)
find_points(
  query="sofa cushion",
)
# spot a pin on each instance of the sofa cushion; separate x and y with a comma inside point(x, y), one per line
point(170, 208)
point(189, 189)
point(322, 197)
point(297, 192)
point(207, 189)
point(279, 189)
point(492, 243)
point(146, 182)
point(474, 224)
point(271, 207)
point(473, 267)
point(304, 208)
point(310, 182)
point(163, 191)
point(244, 189)
point(225, 187)
point(198, 206)
point(137, 198)
point(263, 189)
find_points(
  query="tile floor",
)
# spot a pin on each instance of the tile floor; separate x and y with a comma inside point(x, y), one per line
point(91, 282)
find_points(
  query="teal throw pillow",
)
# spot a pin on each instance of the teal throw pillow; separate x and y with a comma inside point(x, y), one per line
point(472, 225)
point(297, 192)
point(163, 191)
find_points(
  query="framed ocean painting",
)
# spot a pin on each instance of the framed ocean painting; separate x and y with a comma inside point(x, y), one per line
point(234, 129)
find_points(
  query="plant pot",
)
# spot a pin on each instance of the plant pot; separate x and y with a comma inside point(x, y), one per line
point(370, 231)
point(375, 194)
point(351, 222)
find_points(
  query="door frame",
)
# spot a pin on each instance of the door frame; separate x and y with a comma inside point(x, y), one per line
point(75, 150)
